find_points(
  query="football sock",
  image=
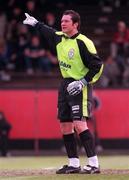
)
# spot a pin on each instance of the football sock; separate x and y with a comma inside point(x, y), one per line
point(70, 145)
point(88, 143)
point(93, 161)
point(74, 162)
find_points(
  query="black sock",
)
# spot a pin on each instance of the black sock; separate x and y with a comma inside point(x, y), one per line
point(70, 145)
point(88, 142)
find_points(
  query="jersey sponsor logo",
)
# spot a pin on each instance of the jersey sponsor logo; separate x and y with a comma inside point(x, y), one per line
point(71, 53)
point(64, 65)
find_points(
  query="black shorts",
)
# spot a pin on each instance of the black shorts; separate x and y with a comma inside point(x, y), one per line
point(74, 107)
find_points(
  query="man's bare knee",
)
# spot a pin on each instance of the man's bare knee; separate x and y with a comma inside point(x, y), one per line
point(67, 128)
point(80, 126)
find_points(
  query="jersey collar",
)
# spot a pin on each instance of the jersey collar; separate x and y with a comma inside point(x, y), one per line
point(72, 37)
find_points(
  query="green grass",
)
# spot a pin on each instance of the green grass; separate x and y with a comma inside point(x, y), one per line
point(72, 177)
point(21, 163)
point(106, 162)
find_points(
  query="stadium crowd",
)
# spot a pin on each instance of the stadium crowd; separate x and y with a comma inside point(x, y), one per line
point(116, 71)
point(23, 50)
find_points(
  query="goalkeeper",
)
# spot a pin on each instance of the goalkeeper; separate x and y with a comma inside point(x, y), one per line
point(80, 67)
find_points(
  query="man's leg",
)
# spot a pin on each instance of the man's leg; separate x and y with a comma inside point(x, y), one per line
point(71, 149)
point(88, 143)
point(67, 129)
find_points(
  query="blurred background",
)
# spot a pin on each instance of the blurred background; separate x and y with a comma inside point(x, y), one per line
point(29, 74)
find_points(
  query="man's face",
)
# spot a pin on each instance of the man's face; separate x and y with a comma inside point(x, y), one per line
point(67, 25)
point(121, 26)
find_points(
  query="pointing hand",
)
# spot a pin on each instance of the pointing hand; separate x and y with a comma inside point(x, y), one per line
point(30, 20)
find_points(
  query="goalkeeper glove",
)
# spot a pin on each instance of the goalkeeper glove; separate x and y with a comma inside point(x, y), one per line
point(75, 87)
point(30, 20)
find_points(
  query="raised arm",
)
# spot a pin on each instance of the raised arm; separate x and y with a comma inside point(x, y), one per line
point(48, 32)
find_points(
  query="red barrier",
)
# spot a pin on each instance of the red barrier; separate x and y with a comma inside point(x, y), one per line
point(33, 113)
point(113, 117)
point(18, 107)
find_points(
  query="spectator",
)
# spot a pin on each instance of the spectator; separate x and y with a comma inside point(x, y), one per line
point(119, 47)
point(110, 75)
point(3, 24)
point(3, 61)
point(23, 37)
point(50, 20)
point(126, 74)
point(16, 14)
point(31, 8)
point(5, 128)
point(12, 29)
point(35, 56)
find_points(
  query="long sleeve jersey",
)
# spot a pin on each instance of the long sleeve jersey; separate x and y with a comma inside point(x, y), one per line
point(77, 55)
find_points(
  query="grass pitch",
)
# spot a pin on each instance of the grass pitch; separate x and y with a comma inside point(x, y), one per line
point(44, 167)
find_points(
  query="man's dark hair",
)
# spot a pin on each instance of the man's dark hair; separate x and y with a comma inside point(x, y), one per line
point(74, 16)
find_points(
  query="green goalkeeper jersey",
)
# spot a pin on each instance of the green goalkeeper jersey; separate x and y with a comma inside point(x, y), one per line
point(77, 55)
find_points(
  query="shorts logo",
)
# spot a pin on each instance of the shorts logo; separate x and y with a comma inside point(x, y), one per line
point(71, 53)
point(75, 112)
point(76, 107)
